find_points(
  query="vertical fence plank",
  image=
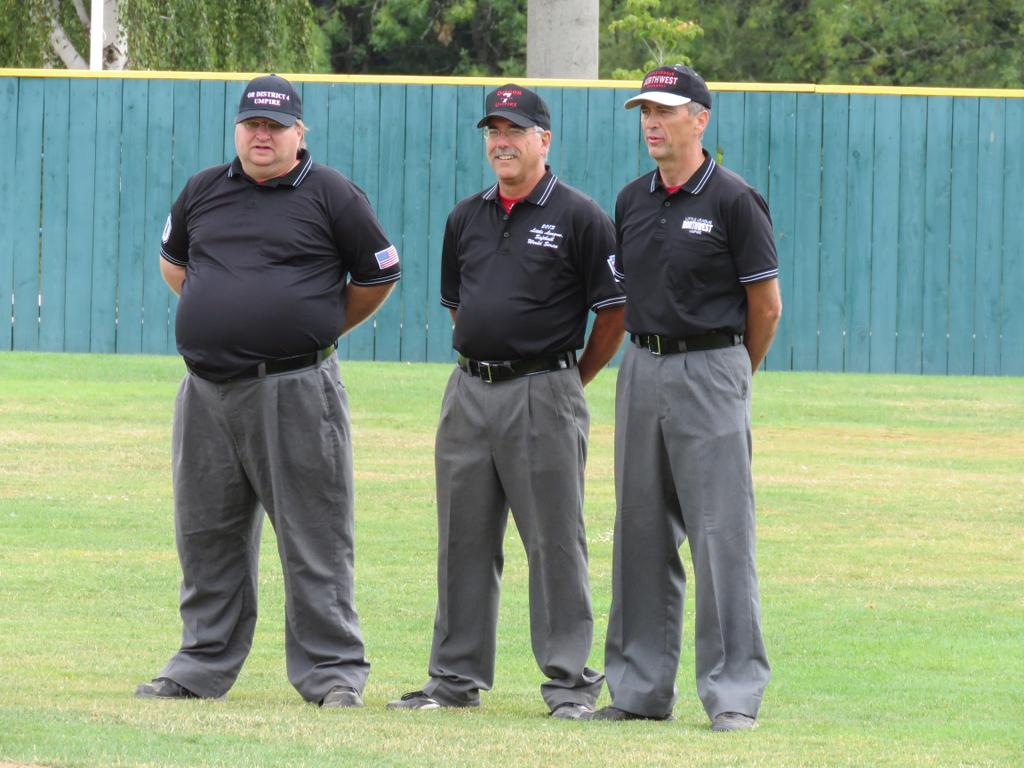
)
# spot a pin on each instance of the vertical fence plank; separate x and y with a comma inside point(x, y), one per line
point(444, 106)
point(24, 222)
point(757, 110)
point(106, 216)
point(388, 321)
point(597, 179)
point(415, 225)
point(156, 303)
point(212, 118)
point(470, 159)
point(781, 196)
point(232, 96)
point(803, 277)
point(938, 202)
point(710, 138)
point(963, 235)
point(627, 148)
point(1012, 300)
point(988, 251)
point(8, 189)
point(315, 114)
point(553, 98)
point(340, 131)
point(364, 173)
point(53, 262)
point(81, 201)
point(132, 249)
point(340, 127)
point(859, 185)
point(573, 137)
point(884, 235)
point(910, 246)
point(730, 130)
point(832, 279)
point(184, 163)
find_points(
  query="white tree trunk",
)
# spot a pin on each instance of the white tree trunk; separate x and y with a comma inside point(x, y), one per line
point(64, 49)
point(115, 38)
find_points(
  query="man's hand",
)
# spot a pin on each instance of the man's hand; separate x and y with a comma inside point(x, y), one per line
point(361, 301)
point(605, 340)
point(764, 308)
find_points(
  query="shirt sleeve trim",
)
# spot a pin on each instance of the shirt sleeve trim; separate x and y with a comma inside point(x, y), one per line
point(450, 304)
point(378, 280)
point(612, 302)
point(757, 277)
point(167, 257)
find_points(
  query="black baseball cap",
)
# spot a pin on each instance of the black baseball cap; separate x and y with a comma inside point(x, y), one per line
point(518, 105)
point(672, 86)
point(271, 97)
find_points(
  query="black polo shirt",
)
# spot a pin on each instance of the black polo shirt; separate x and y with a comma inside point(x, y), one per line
point(522, 282)
point(266, 264)
point(684, 258)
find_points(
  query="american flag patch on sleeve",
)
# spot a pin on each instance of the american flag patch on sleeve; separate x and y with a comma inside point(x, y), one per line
point(386, 258)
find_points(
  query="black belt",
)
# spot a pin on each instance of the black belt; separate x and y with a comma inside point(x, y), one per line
point(503, 370)
point(666, 345)
point(269, 367)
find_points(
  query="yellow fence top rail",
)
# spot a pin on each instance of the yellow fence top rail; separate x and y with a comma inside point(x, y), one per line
point(874, 90)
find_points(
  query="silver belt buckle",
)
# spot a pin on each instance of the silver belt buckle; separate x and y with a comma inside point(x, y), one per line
point(654, 344)
point(487, 378)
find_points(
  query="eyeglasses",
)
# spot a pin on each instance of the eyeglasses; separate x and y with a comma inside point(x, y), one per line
point(513, 132)
point(266, 125)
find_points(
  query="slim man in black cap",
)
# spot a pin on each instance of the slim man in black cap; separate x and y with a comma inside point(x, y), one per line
point(274, 258)
point(523, 264)
point(697, 258)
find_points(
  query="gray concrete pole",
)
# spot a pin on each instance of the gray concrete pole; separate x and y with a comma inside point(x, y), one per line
point(561, 38)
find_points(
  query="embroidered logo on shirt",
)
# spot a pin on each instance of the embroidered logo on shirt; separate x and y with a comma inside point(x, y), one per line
point(386, 258)
point(698, 226)
point(167, 230)
point(611, 264)
point(545, 235)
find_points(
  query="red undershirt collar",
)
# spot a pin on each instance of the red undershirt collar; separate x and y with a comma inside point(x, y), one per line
point(508, 202)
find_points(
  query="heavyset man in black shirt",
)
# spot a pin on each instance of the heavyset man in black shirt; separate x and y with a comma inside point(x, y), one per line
point(522, 264)
point(697, 258)
point(274, 257)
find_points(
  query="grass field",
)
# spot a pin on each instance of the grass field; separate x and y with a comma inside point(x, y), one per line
point(891, 555)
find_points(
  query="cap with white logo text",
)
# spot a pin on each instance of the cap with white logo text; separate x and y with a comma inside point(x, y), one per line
point(518, 105)
point(271, 97)
point(672, 86)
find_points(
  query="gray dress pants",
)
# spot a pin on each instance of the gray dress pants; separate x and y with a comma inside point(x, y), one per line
point(682, 469)
point(518, 444)
point(281, 443)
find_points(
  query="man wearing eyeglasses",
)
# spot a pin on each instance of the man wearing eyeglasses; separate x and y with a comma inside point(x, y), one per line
point(523, 263)
point(274, 257)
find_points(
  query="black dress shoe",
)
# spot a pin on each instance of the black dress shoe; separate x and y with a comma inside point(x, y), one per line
point(733, 721)
point(341, 697)
point(163, 688)
point(614, 713)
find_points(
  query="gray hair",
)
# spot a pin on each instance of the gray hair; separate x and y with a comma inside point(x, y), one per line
point(305, 130)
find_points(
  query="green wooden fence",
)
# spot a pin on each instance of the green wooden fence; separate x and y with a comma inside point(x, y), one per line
point(898, 214)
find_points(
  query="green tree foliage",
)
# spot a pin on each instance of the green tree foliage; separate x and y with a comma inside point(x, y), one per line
point(25, 32)
point(428, 37)
point(911, 42)
point(869, 42)
point(223, 35)
point(212, 35)
point(661, 40)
